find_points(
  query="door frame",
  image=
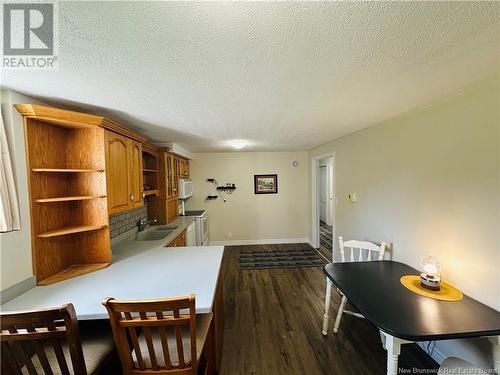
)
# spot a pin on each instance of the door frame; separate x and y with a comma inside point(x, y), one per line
point(315, 240)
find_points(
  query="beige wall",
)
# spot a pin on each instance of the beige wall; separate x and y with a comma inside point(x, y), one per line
point(15, 247)
point(427, 182)
point(247, 216)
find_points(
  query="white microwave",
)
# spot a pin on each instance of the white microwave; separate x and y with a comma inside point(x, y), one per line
point(185, 188)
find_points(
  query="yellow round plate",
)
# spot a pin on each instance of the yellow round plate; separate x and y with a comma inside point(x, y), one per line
point(446, 293)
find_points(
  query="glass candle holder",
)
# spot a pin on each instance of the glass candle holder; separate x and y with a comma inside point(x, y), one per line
point(430, 273)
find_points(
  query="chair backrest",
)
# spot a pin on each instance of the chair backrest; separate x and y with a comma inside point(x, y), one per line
point(364, 250)
point(140, 324)
point(32, 342)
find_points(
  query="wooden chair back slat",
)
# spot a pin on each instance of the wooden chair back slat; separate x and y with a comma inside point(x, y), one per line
point(9, 363)
point(135, 342)
point(164, 342)
point(61, 360)
point(25, 358)
point(178, 338)
point(29, 335)
point(362, 248)
point(161, 323)
point(42, 357)
point(149, 343)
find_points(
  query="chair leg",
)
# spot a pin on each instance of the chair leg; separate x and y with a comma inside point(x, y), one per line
point(382, 339)
point(339, 314)
point(328, 299)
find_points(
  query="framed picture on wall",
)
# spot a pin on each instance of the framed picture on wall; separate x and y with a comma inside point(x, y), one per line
point(265, 183)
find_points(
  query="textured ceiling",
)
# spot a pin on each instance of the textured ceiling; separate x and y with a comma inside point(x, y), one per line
point(285, 76)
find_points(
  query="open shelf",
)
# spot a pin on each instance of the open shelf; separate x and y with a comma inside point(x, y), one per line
point(73, 271)
point(65, 170)
point(151, 192)
point(68, 199)
point(70, 230)
point(226, 188)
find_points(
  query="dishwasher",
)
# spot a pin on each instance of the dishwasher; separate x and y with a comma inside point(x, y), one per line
point(191, 234)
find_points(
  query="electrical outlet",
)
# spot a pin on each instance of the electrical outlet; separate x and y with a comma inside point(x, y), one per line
point(229, 234)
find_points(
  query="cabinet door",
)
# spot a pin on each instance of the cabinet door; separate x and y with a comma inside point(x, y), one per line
point(169, 175)
point(186, 168)
point(183, 168)
point(175, 161)
point(117, 172)
point(172, 209)
point(135, 172)
point(179, 241)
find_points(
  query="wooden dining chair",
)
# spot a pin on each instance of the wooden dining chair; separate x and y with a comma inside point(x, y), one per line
point(364, 250)
point(48, 341)
point(163, 336)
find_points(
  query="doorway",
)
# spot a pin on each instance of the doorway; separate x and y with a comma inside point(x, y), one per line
point(323, 215)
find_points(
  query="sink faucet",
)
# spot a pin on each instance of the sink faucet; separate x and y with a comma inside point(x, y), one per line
point(143, 223)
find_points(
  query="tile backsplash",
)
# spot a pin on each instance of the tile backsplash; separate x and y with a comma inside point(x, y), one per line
point(125, 221)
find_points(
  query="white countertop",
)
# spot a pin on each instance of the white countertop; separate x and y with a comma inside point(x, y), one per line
point(140, 269)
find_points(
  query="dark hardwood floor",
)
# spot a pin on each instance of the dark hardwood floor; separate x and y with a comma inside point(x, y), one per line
point(273, 324)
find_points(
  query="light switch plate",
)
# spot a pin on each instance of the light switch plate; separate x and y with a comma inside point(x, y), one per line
point(351, 197)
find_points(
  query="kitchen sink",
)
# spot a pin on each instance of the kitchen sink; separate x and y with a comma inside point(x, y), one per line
point(164, 227)
point(152, 235)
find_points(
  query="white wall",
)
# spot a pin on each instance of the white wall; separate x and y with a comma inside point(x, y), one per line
point(427, 182)
point(247, 217)
point(15, 247)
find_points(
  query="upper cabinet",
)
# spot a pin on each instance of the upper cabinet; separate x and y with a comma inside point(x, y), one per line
point(117, 177)
point(124, 172)
point(171, 167)
point(183, 168)
point(135, 181)
point(150, 170)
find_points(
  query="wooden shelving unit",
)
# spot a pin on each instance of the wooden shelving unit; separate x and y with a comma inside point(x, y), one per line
point(67, 181)
point(150, 170)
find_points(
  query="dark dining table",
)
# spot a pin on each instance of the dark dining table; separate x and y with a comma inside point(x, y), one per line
point(402, 316)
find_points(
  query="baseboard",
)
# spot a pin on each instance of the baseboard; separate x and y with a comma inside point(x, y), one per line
point(265, 241)
point(17, 289)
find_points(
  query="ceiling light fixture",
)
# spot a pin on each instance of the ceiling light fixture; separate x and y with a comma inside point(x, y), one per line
point(238, 143)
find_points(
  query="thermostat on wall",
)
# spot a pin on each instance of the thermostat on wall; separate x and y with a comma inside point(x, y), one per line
point(351, 197)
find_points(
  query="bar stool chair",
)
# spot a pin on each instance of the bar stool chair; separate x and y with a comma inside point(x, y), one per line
point(48, 341)
point(163, 336)
point(364, 253)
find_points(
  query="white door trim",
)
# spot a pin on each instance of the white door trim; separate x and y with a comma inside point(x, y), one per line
point(315, 201)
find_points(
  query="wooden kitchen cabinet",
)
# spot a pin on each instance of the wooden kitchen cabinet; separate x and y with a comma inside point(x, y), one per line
point(135, 170)
point(172, 209)
point(171, 166)
point(183, 168)
point(124, 172)
point(150, 168)
point(180, 240)
point(165, 208)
